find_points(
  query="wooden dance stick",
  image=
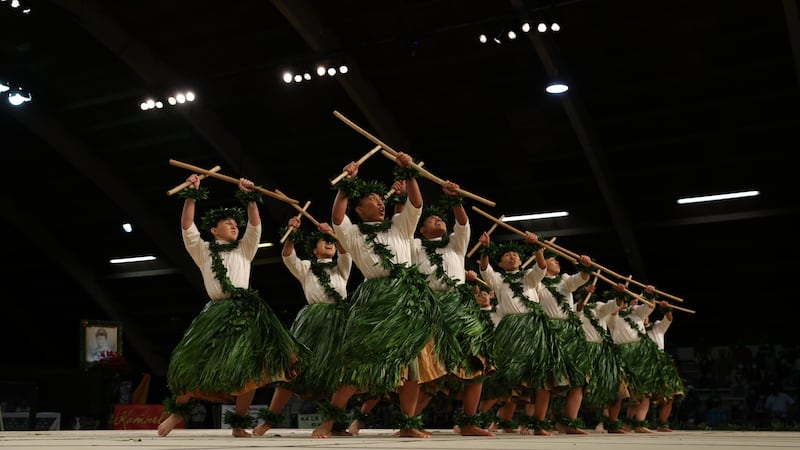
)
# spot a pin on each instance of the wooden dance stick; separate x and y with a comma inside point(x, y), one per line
point(437, 180)
point(533, 258)
point(387, 149)
point(308, 216)
point(589, 294)
point(267, 192)
point(611, 272)
point(289, 230)
point(361, 160)
point(681, 308)
point(392, 191)
point(186, 184)
point(478, 244)
point(633, 294)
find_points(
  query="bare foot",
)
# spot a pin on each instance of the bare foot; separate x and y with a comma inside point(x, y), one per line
point(510, 430)
point(525, 431)
point(569, 430)
point(240, 432)
point(322, 431)
point(456, 430)
point(412, 432)
point(664, 429)
point(341, 433)
point(542, 432)
point(355, 427)
point(261, 429)
point(426, 432)
point(643, 430)
point(561, 428)
point(473, 430)
point(618, 431)
point(168, 424)
point(600, 428)
point(493, 427)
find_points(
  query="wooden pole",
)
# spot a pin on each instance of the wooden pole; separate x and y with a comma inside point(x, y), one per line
point(307, 215)
point(361, 160)
point(478, 244)
point(438, 180)
point(196, 169)
point(186, 184)
point(289, 231)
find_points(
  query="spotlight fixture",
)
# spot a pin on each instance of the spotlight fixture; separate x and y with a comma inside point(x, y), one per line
point(321, 70)
point(16, 95)
point(173, 100)
point(482, 38)
point(17, 4)
point(556, 87)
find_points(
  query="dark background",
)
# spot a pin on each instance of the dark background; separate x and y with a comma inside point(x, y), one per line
point(667, 99)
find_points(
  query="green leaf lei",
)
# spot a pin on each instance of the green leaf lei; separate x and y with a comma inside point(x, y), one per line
point(184, 410)
point(406, 422)
point(550, 283)
point(370, 233)
point(436, 259)
point(338, 415)
point(237, 421)
point(324, 278)
point(201, 193)
point(463, 420)
point(247, 197)
point(268, 416)
point(513, 281)
point(589, 313)
point(217, 266)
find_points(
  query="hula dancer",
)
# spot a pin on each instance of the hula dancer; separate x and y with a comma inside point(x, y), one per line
point(236, 344)
point(671, 386)
point(606, 375)
point(555, 297)
point(464, 339)
point(526, 357)
point(323, 277)
point(390, 317)
point(639, 356)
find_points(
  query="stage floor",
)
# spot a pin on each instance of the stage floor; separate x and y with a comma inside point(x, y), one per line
point(294, 439)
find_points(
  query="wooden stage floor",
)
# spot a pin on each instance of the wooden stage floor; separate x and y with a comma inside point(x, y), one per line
point(383, 439)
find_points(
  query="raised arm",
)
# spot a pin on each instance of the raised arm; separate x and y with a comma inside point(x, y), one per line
point(340, 202)
point(253, 217)
point(187, 214)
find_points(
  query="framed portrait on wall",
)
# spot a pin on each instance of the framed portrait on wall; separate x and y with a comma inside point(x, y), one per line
point(99, 340)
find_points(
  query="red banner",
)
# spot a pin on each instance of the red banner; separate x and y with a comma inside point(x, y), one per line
point(139, 417)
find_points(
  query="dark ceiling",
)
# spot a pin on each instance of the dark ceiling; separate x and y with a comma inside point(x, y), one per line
point(668, 99)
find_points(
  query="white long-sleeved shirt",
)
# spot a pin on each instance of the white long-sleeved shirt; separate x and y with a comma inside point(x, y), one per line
point(453, 256)
point(507, 303)
point(237, 261)
point(312, 289)
point(622, 333)
point(658, 331)
point(397, 238)
point(602, 312)
point(566, 285)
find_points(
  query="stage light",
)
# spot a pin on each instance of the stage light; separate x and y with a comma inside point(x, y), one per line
point(482, 38)
point(556, 87)
point(18, 98)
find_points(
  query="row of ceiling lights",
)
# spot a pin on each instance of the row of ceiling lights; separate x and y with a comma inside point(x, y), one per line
point(16, 96)
point(16, 4)
point(525, 28)
point(173, 100)
point(289, 77)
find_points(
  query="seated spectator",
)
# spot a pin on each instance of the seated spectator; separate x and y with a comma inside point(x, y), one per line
point(778, 404)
